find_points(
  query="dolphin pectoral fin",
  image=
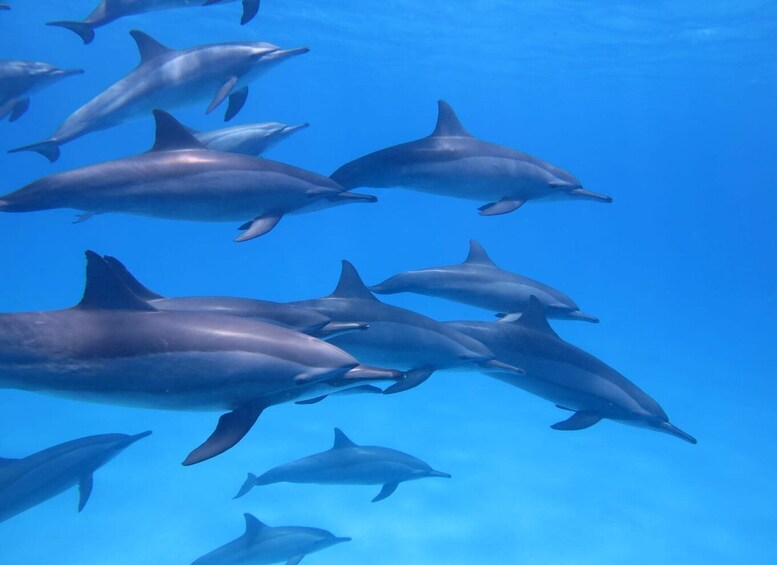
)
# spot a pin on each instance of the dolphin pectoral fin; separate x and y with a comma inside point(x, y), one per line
point(49, 149)
point(81, 29)
point(258, 227)
point(361, 389)
point(295, 560)
point(84, 490)
point(578, 421)
point(565, 408)
point(311, 400)
point(236, 102)
point(504, 206)
point(21, 106)
point(221, 94)
point(387, 490)
point(413, 378)
point(249, 483)
point(250, 9)
point(232, 427)
point(81, 218)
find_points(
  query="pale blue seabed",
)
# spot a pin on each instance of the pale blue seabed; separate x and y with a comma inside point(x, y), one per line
point(666, 106)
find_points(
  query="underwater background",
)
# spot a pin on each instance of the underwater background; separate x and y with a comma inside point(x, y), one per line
point(669, 107)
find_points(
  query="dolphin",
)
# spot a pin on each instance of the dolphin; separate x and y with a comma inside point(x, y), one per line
point(111, 10)
point(263, 544)
point(180, 179)
point(34, 479)
point(116, 348)
point(19, 79)
point(169, 79)
point(4, 7)
point(249, 139)
point(565, 375)
point(396, 337)
point(452, 162)
point(348, 464)
point(478, 281)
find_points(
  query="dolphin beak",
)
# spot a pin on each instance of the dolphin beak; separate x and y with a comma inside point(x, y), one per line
point(588, 195)
point(501, 366)
point(68, 72)
point(291, 129)
point(334, 329)
point(439, 474)
point(346, 197)
point(138, 437)
point(281, 54)
point(578, 315)
point(341, 540)
point(677, 432)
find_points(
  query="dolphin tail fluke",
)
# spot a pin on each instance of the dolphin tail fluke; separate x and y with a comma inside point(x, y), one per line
point(232, 427)
point(588, 195)
point(84, 30)
point(49, 149)
point(249, 483)
point(413, 378)
point(387, 490)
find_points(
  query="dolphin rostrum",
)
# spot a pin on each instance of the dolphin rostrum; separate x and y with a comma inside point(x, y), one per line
point(565, 375)
point(180, 179)
point(348, 464)
point(478, 281)
point(34, 479)
point(263, 544)
point(111, 10)
point(168, 79)
point(454, 163)
point(249, 139)
point(116, 348)
point(19, 79)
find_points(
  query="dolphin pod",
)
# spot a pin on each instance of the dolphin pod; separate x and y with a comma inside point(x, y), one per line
point(31, 480)
point(19, 79)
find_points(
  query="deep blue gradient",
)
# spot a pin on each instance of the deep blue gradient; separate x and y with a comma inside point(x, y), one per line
point(666, 106)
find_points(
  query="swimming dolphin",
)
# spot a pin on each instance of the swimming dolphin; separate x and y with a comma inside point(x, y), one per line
point(348, 464)
point(396, 337)
point(452, 162)
point(169, 79)
point(111, 10)
point(114, 347)
point(565, 375)
point(182, 180)
point(19, 79)
point(262, 544)
point(478, 281)
point(27, 482)
point(249, 139)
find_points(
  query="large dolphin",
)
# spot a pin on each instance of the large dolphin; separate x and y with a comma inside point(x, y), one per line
point(114, 347)
point(263, 544)
point(565, 375)
point(169, 79)
point(397, 337)
point(249, 139)
point(182, 180)
point(452, 162)
point(34, 479)
point(348, 464)
point(480, 282)
point(111, 10)
point(19, 79)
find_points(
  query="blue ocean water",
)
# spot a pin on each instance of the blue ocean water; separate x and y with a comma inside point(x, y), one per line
point(666, 106)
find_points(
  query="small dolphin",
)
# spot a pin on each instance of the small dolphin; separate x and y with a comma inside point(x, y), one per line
point(19, 79)
point(565, 375)
point(250, 139)
point(111, 10)
point(348, 464)
point(169, 79)
point(182, 180)
point(452, 162)
point(261, 544)
point(27, 482)
point(478, 281)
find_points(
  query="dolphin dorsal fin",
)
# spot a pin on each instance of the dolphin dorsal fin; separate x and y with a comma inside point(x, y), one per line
point(253, 524)
point(341, 440)
point(533, 317)
point(129, 279)
point(351, 284)
point(148, 47)
point(105, 291)
point(172, 135)
point(448, 124)
point(477, 254)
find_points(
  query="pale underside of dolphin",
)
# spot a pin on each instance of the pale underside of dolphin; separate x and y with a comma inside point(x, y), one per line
point(180, 179)
point(168, 79)
point(478, 281)
point(248, 139)
point(20, 79)
point(347, 463)
point(108, 11)
point(565, 375)
point(452, 162)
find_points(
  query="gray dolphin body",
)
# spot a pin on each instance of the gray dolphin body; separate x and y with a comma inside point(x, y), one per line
point(249, 139)
point(565, 375)
point(452, 162)
point(20, 79)
point(115, 348)
point(262, 544)
point(480, 282)
point(348, 464)
point(169, 79)
point(180, 179)
point(34, 479)
point(111, 10)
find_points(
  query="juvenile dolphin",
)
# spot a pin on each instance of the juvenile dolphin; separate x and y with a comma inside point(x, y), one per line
point(452, 162)
point(348, 464)
point(396, 337)
point(114, 347)
point(19, 79)
point(111, 10)
point(169, 79)
point(27, 482)
point(565, 375)
point(249, 139)
point(180, 179)
point(478, 281)
point(262, 544)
